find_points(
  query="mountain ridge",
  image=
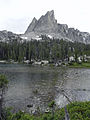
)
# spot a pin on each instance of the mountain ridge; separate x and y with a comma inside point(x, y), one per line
point(47, 25)
point(6, 36)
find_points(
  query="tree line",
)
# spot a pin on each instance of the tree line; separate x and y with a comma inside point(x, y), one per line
point(45, 49)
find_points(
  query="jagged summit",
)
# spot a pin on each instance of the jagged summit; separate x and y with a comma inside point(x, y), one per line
point(47, 25)
point(32, 25)
point(50, 14)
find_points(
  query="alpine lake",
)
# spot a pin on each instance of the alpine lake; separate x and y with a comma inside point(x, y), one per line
point(33, 87)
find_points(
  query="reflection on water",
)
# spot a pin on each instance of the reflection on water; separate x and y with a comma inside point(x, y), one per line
point(37, 86)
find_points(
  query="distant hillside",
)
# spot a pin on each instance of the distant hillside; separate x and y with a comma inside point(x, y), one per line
point(6, 36)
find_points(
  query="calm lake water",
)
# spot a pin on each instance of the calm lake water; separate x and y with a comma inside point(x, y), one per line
point(36, 86)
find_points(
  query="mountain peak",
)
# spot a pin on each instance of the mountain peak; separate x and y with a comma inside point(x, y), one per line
point(46, 23)
point(34, 19)
point(32, 25)
point(50, 13)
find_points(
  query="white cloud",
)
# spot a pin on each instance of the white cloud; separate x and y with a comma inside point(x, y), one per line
point(14, 13)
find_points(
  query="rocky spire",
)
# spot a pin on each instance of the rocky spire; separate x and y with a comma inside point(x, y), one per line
point(31, 26)
point(46, 23)
point(50, 15)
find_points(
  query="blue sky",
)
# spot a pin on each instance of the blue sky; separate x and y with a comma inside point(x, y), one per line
point(16, 15)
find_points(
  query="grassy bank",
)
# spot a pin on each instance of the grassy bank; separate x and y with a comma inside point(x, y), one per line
point(58, 115)
point(77, 111)
point(80, 65)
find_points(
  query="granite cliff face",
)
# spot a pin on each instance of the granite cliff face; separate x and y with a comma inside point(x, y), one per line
point(47, 25)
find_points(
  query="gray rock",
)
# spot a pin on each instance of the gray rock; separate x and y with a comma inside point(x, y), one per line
point(6, 36)
point(32, 25)
point(46, 23)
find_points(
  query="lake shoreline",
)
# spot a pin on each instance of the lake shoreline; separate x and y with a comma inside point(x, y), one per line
point(70, 65)
point(79, 65)
point(72, 111)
